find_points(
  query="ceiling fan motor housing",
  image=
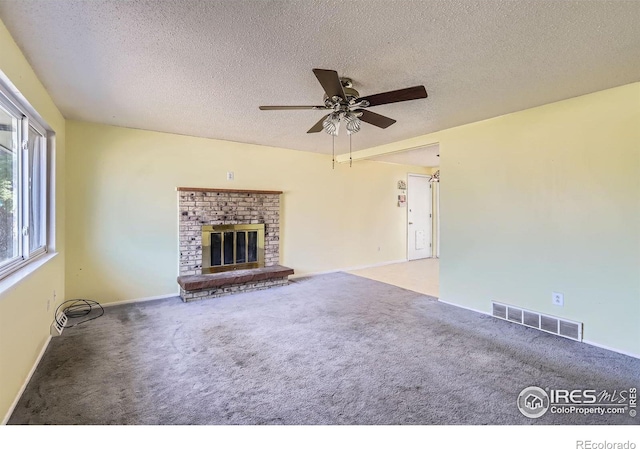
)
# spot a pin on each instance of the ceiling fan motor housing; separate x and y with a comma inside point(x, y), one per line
point(349, 92)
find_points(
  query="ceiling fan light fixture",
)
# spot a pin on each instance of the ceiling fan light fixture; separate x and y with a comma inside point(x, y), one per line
point(352, 123)
point(331, 124)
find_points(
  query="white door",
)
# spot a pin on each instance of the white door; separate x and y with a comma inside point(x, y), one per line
point(418, 217)
point(436, 185)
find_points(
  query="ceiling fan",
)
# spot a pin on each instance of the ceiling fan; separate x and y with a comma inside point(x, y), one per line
point(346, 104)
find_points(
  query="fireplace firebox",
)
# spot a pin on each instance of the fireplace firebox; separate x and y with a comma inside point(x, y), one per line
point(232, 247)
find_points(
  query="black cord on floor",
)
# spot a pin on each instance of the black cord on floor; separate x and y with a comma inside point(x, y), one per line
point(77, 308)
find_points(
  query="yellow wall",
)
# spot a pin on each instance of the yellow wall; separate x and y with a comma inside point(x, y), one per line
point(123, 219)
point(24, 319)
point(543, 200)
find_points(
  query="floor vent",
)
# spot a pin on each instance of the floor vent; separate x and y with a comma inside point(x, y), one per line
point(58, 324)
point(546, 323)
point(514, 315)
point(499, 311)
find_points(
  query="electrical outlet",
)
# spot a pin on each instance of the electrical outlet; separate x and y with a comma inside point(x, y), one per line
point(557, 299)
point(229, 176)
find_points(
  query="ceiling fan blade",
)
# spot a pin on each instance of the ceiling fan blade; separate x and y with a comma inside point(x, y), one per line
point(330, 83)
point(286, 108)
point(375, 119)
point(395, 96)
point(318, 126)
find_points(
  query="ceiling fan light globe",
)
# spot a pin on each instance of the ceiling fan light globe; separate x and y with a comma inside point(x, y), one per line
point(352, 123)
point(331, 125)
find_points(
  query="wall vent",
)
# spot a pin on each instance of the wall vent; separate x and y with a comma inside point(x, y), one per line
point(58, 324)
point(499, 311)
point(547, 323)
point(514, 315)
point(570, 330)
point(531, 319)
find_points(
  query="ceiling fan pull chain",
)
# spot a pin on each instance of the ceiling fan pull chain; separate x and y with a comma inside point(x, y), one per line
point(350, 159)
point(333, 148)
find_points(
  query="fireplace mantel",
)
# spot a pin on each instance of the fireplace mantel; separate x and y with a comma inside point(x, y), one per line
point(202, 189)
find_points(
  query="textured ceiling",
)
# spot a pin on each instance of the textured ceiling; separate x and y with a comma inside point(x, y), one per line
point(202, 68)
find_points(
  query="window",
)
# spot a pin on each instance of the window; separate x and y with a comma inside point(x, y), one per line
point(23, 185)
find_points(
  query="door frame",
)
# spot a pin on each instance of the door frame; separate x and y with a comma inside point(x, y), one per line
point(430, 196)
point(435, 185)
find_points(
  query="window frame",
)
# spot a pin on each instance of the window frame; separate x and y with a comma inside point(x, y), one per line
point(15, 104)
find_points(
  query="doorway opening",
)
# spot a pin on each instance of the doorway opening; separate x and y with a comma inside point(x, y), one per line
point(421, 271)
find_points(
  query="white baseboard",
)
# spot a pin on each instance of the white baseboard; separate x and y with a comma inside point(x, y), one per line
point(590, 343)
point(464, 307)
point(26, 382)
point(360, 267)
point(598, 345)
point(148, 298)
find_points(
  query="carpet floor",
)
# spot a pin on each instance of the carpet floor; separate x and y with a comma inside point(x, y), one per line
point(331, 349)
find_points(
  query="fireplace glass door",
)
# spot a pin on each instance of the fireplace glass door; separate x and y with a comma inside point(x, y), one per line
point(232, 247)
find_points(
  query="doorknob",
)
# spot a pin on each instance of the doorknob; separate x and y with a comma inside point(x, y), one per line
point(411, 222)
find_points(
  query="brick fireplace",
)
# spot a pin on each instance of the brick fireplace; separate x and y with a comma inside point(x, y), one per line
point(210, 209)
